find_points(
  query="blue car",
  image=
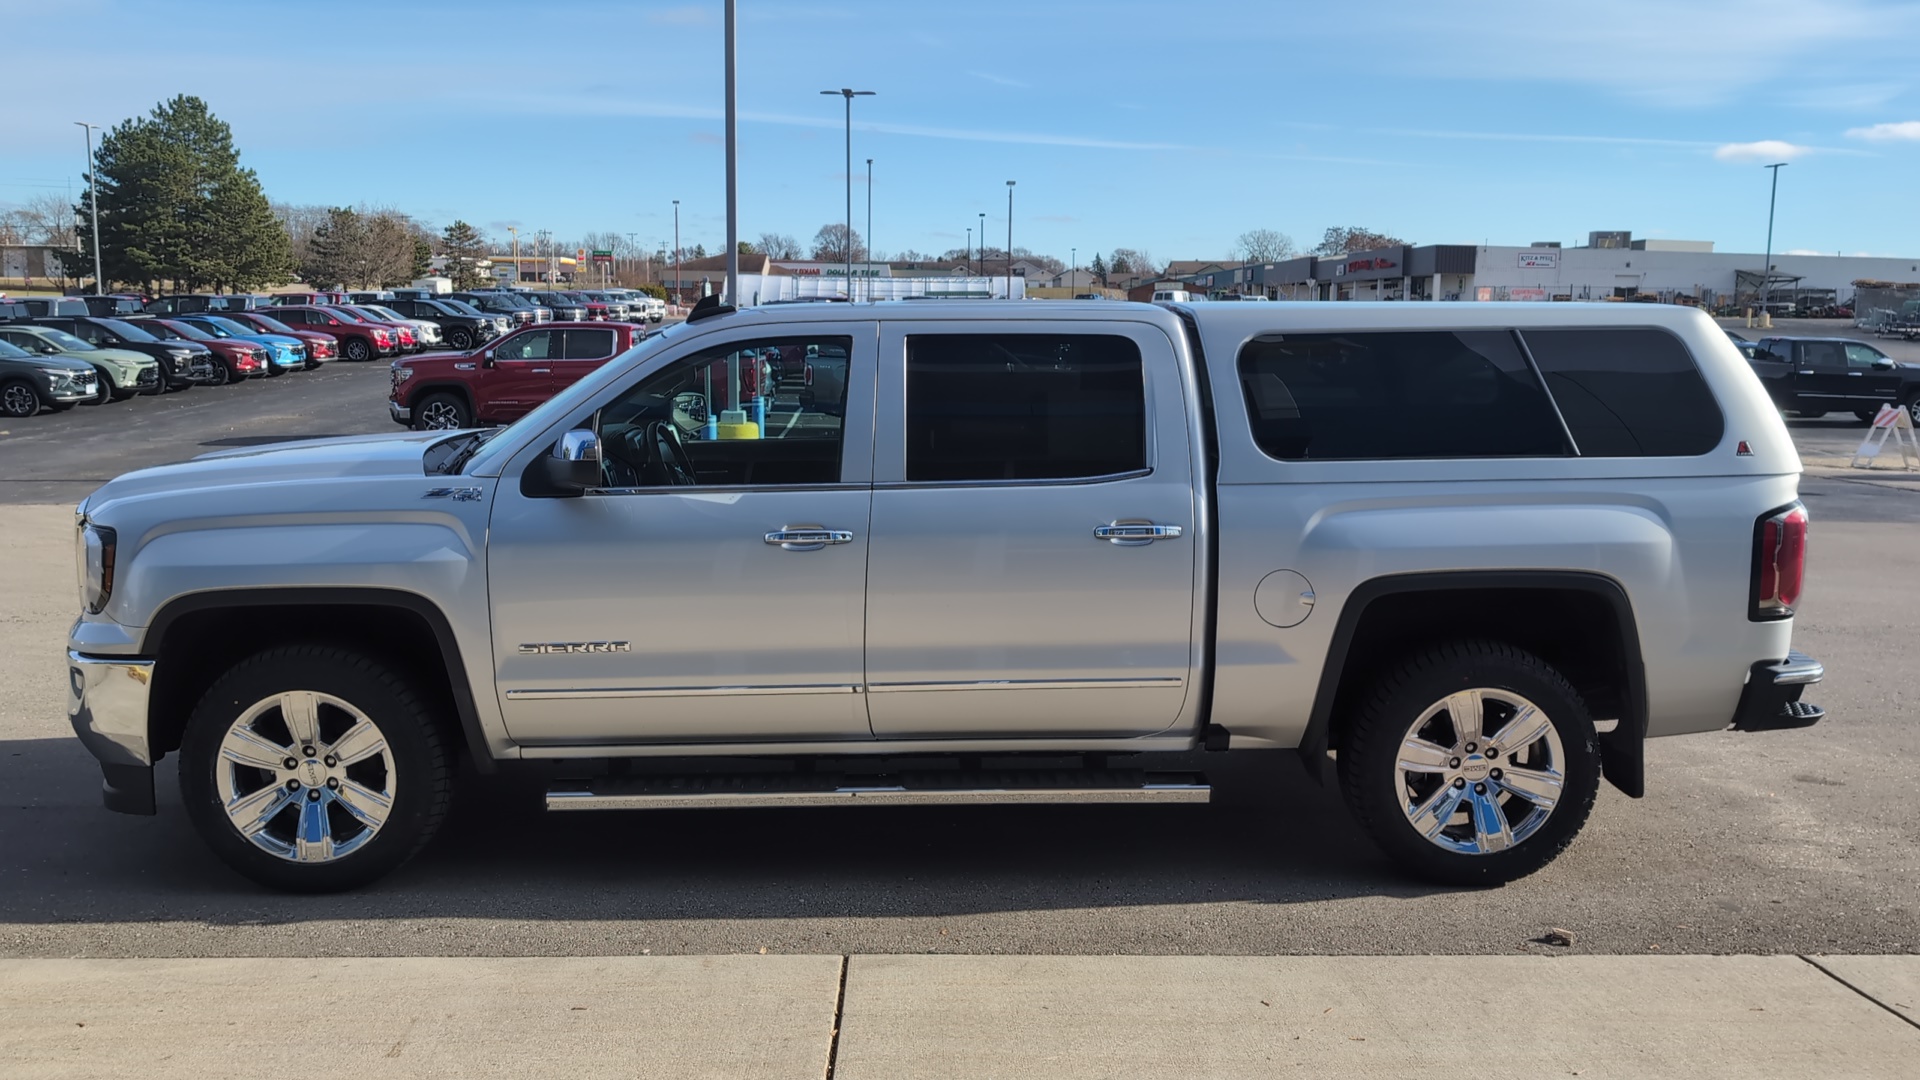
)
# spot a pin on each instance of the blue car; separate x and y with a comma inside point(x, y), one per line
point(284, 352)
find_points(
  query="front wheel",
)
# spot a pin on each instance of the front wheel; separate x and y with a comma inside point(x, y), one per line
point(18, 399)
point(1912, 405)
point(357, 349)
point(312, 768)
point(1809, 414)
point(441, 412)
point(1471, 763)
point(460, 338)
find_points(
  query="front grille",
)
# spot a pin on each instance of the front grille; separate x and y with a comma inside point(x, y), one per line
point(149, 377)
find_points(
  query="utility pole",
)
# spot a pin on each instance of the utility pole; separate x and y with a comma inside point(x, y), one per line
point(93, 193)
point(870, 228)
point(969, 249)
point(1073, 272)
point(676, 251)
point(516, 253)
point(983, 247)
point(632, 245)
point(1009, 239)
point(1766, 267)
point(733, 187)
point(849, 95)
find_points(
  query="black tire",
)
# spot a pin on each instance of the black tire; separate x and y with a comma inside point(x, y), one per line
point(1912, 405)
point(460, 338)
point(1377, 793)
point(356, 349)
point(422, 781)
point(1809, 414)
point(1865, 416)
point(441, 412)
point(18, 399)
point(222, 374)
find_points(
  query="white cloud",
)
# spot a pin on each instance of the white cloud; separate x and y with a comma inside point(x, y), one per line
point(1766, 150)
point(1905, 131)
point(999, 80)
point(1803, 251)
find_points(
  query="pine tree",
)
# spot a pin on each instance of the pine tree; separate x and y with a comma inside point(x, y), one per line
point(1098, 269)
point(422, 259)
point(1119, 265)
point(463, 246)
point(334, 253)
point(250, 247)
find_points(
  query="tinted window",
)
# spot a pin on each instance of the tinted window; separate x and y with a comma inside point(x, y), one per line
point(1024, 406)
point(1823, 354)
point(126, 330)
point(1414, 394)
point(1627, 393)
point(588, 345)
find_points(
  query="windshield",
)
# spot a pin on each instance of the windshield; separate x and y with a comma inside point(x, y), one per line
point(462, 307)
point(67, 342)
point(341, 311)
point(127, 330)
point(620, 367)
point(271, 326)
point(224, 327)
point(189, 331)
point(387, 313)
point(10, 352)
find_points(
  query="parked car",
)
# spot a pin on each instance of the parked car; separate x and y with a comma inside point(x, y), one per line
point(457, 330)
point(32, 381)
point(182, 363)
point(500, 382)
point(502, 324)
point(1139, 529)
point(196, 302)
point(113, 306)
point(375, 296)
point(426, 332)
point(596, 309)
point(300, 299)
point(564, 308)
point(1747, 348)
point(13, 311)
point(618, 307)
point(401, 329)
point(40, 306)
point(122, 372)
point(320, 347)
point(284, 352)
point(1811, 377)
point(235, 359)
point(512, 305)
point(358, 340)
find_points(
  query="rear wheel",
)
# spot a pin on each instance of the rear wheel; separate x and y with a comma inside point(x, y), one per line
point(441, 412)
point(1912, 405)
point(312, 768)
point(18, 399)
point(357, 349)
point(222, 374)
point(1865, 416)
point(1809, 414)
point(1471, 763)
point(460, 338)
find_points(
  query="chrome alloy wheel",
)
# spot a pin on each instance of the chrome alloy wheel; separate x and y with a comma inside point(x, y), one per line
point(18, 399)
point(305, 776)
point(1480, 771)
point(440, 415)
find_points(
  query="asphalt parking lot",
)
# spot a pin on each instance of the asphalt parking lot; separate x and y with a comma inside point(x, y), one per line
point(1787, 842)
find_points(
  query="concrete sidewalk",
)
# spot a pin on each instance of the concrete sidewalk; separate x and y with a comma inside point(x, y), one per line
point(965, 1016)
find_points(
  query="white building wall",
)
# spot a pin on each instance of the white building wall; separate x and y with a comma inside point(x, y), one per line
point(1595, 272)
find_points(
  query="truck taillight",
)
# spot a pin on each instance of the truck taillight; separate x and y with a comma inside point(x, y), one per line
point(1779, 563)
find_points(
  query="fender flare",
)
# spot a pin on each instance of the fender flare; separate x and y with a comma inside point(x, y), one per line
point(1622, 750)
point(461, 689)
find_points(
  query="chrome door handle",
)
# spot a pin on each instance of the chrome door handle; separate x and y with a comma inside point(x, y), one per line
point(1135, 533)
point(808, 538)
point(542, 371)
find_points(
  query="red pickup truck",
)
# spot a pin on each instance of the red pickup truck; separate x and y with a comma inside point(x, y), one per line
point(503, 380)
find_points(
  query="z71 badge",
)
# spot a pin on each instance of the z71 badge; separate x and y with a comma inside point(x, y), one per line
point(544, 647)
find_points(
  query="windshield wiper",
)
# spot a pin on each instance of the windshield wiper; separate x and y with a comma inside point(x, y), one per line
point(472, 446)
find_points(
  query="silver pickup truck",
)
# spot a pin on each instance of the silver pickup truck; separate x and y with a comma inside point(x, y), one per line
point(1468, 556)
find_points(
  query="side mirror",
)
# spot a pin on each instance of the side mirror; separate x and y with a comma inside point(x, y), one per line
point(333, 322)
point(486, 358)
point(574, 465)
point(1883, 364)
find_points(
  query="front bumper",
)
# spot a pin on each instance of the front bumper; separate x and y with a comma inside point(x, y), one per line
point(1771, 700)
point(401, 414)
point(107, 706)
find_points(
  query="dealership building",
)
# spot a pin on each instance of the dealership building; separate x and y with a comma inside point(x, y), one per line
point(1611, 265)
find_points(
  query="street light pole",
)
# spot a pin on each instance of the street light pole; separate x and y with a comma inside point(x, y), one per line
point(632, 245)
point(869, 228)
point(849, 95)
point(93, 194)
point(733, 190)
point(676, 252)
point(969, 249)
point(1009, 239)
point(516, 253)
point(983, 248)
point(1766, 267)
point(1073, 272)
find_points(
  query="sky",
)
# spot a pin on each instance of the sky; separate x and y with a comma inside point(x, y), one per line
point(1169, 128)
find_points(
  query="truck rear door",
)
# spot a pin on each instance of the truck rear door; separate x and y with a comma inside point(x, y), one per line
point(1031, 567)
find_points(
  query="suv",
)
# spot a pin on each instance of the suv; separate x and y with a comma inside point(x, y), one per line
point(564, 308)
point(458, 330)
point(182, 363)
point(1069, 552)
point(113, 305)
point(29, 382)
point(1811, 377)
point(123, 372)
point(501, 382)
point(40, 307)
point(358, 340)
point(512, 305)
point(198, 302)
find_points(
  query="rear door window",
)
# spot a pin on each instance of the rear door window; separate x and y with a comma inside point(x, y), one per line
point(1628, 392)
point(587, 344)
point(1024, 407)
point(1396, 395)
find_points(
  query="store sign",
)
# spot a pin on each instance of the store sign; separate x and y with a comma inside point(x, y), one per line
point(1357, 265)
point(1526, 294)
point(1541, 259)
point(603, 256)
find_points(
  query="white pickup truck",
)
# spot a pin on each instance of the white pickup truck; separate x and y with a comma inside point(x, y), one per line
point(1473, 554)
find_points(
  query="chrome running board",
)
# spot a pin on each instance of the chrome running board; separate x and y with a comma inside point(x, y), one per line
point(893, 789)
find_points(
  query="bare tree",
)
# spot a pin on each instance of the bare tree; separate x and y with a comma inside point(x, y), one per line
point(777, 245)
point(46, 219)
point(1264, 246)
point(1345, 240)
point(1133, 261)
point(830, 244)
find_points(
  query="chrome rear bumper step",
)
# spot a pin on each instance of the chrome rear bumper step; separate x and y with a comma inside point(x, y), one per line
point(894, 789)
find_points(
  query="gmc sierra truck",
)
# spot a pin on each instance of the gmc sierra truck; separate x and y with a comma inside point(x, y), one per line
point(1467, 557)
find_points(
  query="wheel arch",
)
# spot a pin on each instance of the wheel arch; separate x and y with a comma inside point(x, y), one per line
point(193, 638)
point(458, 389)
point(1531, 609)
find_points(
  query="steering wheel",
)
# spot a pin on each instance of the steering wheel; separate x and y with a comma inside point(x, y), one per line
point(669, 460)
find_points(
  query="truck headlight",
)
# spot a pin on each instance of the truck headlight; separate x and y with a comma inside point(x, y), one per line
point(95, 559)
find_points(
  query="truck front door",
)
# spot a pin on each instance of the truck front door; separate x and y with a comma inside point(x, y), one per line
point(518, 376)
point(1820, 374)
point(1034, 549)
point(1874, 378)
point(712, 590)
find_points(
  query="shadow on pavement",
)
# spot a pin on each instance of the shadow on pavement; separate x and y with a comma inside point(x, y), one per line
point(1271, 836)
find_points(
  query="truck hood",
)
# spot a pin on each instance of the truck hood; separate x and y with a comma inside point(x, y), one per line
point(349, 458)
